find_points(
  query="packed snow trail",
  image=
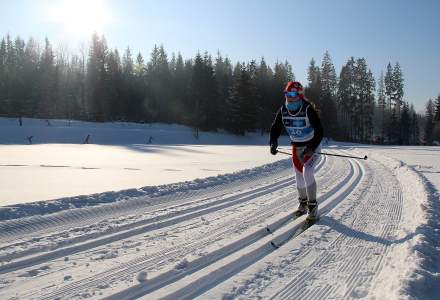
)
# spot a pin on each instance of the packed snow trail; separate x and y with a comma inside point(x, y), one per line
point(212, 242)
point(340, 256)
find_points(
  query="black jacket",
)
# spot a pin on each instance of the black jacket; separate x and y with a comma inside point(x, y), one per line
point(315, 122)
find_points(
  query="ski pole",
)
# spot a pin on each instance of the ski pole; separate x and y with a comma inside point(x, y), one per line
point(340, 155)
point(279, 151)
point(329, 154)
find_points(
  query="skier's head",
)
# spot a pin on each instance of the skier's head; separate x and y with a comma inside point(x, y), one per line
point(294, 94)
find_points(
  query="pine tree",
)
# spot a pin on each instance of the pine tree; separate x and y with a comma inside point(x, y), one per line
point(211, 103)
point(313, 89)
point(329, 115)
point(233, 106)
point(345, 99)
point(31, 60)
point(47, 71)
point(114, 82)
point(429, 126)
point(180, 88)
point(17, 89)
point(139, 67)
point(95, 81)
point(252, 98)
point(437, 109)
point(128, 64)
point(397, 82)
point(3, 79)
point(197, 92)
point(263, 82)
point(329, 79)
point(415, 133)
point(159, 101)
point(389, 88)
point(405, 122)
point(381, 102)
point(437, 119)
point(223, 77)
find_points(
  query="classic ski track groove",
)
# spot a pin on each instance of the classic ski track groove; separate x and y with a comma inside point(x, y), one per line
point(199, 286)
point(159, 254)
point(161, 257)
point(83, 238)
point(274, 208)
point(138, 229)
point(95, 235)
point(370, 196)
point(90, 215)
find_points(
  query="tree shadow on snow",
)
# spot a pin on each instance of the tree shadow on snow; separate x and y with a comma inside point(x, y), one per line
point(164, 149)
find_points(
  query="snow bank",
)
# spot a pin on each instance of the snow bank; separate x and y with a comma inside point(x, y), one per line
point(150, 192)
point(413, 265)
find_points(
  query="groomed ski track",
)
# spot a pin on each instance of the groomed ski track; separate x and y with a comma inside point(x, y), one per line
point(213, 242)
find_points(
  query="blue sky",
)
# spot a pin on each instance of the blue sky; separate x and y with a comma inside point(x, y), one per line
point(296, 30)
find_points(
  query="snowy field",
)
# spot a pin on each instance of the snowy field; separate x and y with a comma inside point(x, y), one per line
point(174, 217)
point(120, 157)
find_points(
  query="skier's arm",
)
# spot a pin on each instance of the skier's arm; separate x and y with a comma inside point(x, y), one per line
point(317, 127)
point(276, 128)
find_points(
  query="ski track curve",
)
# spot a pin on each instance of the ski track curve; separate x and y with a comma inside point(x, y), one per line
point(118, 216)
point(274, 205)
point(123, 232)
point(190, 247)
point(222, 272)
point(353, 249)
point(163, 257)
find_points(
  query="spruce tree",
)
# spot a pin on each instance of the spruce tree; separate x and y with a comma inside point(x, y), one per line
point(405, 122)
point(114, 85)
point(381, 102)
point(415, 132)
point(3, 79)
point(345, 96)
point(437, 109)
point(47, 72)
point(313, 89)
point(233, 106)
point(223, 78)
point(329, 115)
point(263, 82)
point(429, 125)
point(329, 79)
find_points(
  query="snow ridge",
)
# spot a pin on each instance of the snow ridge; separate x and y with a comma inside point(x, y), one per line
point(48, 207)
point(424, 271)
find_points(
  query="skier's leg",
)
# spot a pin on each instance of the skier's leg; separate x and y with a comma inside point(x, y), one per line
point(310, 183)
point(300, 183)
point(302, 192)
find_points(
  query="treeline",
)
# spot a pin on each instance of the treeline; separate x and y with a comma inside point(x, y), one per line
point(205, 92)
point(352, 109)
point(432, 122)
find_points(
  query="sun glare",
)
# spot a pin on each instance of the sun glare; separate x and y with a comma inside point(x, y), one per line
point(80, 17)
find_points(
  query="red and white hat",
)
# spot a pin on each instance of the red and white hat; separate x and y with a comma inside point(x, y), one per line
point(295, 86)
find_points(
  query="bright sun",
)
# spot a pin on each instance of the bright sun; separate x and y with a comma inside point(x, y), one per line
point(80, 17)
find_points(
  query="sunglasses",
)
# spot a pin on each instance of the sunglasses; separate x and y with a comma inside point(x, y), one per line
point(291, 94)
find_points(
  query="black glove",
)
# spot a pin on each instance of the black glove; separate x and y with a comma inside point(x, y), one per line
point(307, 152)
point(273, 148)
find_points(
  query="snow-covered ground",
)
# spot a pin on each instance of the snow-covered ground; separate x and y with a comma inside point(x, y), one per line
point(179, 237)
point(121, 157)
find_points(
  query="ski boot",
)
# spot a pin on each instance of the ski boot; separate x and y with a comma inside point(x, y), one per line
point(302, 208)
point(312, 207)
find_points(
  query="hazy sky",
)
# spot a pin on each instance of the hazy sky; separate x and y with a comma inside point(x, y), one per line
point(382, 31)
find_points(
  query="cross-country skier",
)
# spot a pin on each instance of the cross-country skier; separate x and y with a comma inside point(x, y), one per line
point(304, 128)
